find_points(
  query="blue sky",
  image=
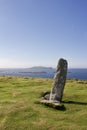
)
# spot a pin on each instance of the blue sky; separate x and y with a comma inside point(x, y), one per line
point(39, 32)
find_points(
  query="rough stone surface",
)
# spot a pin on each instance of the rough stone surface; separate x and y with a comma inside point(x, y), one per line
point(59, 81)
point(57, 105)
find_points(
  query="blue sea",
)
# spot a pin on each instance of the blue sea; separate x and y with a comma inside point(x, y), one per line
point(72, 73)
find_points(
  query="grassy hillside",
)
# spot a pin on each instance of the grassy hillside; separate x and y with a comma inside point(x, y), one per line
point(19, 110)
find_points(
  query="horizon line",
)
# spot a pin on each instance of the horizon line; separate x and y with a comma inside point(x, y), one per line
point(40, 66)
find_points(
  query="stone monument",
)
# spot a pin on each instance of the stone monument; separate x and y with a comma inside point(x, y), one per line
point(59, 81)
point(56, 94)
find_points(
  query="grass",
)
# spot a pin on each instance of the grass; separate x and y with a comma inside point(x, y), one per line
point(19, 109)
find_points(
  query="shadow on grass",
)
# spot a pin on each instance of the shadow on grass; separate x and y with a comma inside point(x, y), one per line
point(74, 102)
point(61, 108)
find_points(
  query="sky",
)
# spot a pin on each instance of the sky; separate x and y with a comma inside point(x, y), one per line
point(40, 32)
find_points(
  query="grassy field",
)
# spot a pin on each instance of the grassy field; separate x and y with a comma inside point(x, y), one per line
point(19, 109)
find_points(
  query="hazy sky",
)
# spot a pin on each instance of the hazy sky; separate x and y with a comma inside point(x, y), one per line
point(39, 32)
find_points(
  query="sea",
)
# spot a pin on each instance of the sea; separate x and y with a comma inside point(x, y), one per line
point(72, 73)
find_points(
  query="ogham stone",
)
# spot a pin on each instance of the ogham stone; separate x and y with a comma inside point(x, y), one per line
point(54, 98)
point(59, 81)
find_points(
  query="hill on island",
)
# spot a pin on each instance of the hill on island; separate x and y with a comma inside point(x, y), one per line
point(39, 69)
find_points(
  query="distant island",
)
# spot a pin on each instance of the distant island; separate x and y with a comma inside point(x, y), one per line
point(38, 69)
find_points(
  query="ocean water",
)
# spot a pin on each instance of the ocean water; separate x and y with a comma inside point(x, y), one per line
point(77, 73)
point(72, 73)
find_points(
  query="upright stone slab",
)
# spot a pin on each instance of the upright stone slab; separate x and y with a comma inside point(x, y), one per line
point(59, 81)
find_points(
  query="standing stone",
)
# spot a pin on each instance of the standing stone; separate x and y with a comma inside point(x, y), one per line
point(59, 81)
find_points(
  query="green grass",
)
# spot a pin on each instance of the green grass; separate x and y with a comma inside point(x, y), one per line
point(19, 109)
